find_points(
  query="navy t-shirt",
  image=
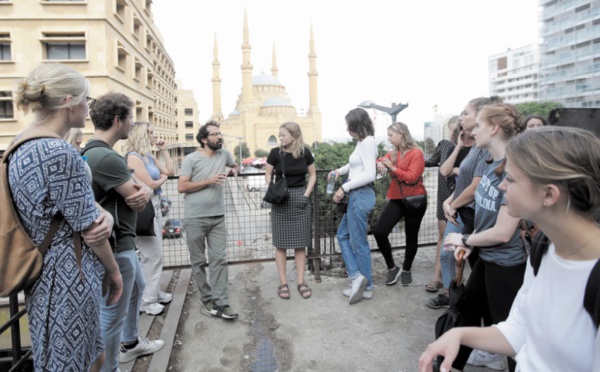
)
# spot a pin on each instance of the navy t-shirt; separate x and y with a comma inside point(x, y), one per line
point(488, 200)
point(295, 169)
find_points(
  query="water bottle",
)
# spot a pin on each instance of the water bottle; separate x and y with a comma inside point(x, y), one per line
point(331, 183)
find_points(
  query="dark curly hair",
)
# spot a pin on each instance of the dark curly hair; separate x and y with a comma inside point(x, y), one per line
point(104, 109)
point(203, 132)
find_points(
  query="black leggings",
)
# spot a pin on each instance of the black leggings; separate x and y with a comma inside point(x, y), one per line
point(391, 215)
point(492, 288)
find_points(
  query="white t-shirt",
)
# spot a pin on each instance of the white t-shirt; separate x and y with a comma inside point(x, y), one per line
point(361, 167)
point(548, 326)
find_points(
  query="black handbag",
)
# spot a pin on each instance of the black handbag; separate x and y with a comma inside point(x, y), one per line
point(277, 192)
point(145, 221)
point(412, 203)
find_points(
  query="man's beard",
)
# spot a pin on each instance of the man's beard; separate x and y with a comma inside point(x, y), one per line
point(214, 146)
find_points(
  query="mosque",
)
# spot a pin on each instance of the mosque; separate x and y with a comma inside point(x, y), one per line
point(263, 104)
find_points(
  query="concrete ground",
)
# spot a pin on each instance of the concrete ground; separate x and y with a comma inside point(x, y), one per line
point(323, 333)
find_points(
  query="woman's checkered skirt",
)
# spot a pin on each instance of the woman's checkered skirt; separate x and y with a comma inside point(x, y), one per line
point(291, 222)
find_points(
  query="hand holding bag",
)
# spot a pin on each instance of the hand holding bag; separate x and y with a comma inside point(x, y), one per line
point(277, 193)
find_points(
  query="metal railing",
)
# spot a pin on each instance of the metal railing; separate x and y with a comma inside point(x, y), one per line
point(249, 222)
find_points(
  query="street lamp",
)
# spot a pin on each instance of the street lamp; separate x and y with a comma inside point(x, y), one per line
point(392, 111)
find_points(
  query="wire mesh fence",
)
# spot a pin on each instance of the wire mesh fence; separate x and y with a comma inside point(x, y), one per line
point(248, 220)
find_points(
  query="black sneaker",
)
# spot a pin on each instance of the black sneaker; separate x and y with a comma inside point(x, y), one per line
point(393, 275)
point(438, 302)
point(223, 311)
point(405, 278)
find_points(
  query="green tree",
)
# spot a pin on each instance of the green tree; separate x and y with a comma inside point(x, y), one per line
point(537, 108)
point(260, 153)
point(245, 152)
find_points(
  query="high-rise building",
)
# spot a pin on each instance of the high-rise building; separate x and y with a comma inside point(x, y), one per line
point(115, 44)
point(570, 53)
point(513, 75)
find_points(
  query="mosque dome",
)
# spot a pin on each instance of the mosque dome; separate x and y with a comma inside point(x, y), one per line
point(276, 101)
point(264, 79)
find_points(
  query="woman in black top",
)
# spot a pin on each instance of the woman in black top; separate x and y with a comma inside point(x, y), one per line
point(291, 221)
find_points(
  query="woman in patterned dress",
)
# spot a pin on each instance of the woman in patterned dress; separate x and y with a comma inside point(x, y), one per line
point(291, 221)
point(47, 177)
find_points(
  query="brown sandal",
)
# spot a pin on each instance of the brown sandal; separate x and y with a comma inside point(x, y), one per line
point(283, 291)
point(434, 286)
point(304, 289)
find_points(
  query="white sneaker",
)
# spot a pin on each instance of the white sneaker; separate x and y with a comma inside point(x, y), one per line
point(357, 289)
point(367, 294)
point(164, 298)
point(144, 347)
point(480, 358)
point(153, 308)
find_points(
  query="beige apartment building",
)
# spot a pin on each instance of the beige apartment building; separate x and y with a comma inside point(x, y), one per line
point(114, 43)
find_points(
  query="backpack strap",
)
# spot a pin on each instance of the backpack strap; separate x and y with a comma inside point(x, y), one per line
point(539, 247)
point(591, 299)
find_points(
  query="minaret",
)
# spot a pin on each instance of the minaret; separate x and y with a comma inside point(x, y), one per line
point(246, 66)
point(216, 84)
point(312, 77)
point(274, 69)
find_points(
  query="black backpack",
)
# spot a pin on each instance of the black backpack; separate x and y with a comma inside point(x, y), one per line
point(591, 299)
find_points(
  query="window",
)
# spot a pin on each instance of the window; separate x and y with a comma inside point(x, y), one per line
point(189, 112)
point(138, 70)
point(121, 57)
point(272, 141)
point(137, 27)
point(189, 137)
point(120, 10)
point(189, 124)
point(6, 105)
point(5, 54)
point(64, 46)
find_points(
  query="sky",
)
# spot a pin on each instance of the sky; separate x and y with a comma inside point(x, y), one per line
point(428, 53)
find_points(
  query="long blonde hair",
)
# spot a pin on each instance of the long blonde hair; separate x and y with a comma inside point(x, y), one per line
point(298, 146)
point(406, 143)
point(139, 141)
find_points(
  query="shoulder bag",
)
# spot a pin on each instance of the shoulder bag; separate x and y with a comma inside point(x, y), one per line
point(277, 193)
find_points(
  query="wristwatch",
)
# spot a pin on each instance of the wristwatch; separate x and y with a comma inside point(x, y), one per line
point(464, 239)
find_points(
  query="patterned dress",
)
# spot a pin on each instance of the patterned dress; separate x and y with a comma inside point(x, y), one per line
point(47, 176)
point(441, 154)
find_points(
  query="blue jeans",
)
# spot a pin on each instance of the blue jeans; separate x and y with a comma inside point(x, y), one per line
point(352, 234)
point(119, 321)
point(447, 261)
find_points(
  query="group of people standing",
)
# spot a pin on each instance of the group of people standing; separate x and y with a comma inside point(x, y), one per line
point(492, 176)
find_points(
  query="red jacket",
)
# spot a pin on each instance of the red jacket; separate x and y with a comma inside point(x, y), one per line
point(407, 180)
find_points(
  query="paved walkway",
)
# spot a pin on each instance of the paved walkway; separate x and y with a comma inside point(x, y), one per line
point(323, 333)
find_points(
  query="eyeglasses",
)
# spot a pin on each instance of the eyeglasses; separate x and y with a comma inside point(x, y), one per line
point(215, 134)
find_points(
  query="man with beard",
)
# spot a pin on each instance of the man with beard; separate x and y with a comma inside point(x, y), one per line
point(121, 195)
point(202, 178)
